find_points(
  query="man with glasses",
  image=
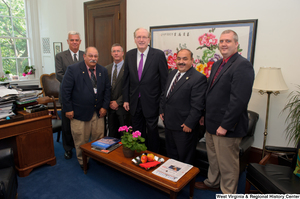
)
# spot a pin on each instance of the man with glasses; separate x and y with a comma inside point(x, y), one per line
point(145, 75)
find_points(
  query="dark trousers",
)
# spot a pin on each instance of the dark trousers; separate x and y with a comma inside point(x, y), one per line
point(180, 145)
point(115, 121)
point(67, 138)
point(148, 128)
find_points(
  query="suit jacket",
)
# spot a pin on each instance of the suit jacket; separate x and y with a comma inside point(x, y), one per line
point(186, 102)
point(227, 99)
point(62, 61)
point(78, 93)
point(152, 84)
point(117, 94)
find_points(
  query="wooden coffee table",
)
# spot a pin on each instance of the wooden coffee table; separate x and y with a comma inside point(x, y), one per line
point(116, 160)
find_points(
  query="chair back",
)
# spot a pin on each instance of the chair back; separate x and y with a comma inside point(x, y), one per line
point(50, 85)
point(253, 118)
point(294, 161)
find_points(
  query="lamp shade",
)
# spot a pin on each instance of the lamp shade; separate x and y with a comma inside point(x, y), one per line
point(269, 79)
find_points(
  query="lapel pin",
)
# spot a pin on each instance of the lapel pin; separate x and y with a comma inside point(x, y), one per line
point(83, 72)
point(187, 78)
point(99, 74)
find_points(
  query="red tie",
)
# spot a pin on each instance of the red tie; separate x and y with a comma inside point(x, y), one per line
point(218, 71)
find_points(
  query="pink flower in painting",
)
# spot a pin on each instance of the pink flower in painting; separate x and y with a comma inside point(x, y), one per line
point(136, 134)
point(208, 39)
point(172, 61)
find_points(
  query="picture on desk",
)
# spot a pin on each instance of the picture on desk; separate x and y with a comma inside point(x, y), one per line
point(174, 168)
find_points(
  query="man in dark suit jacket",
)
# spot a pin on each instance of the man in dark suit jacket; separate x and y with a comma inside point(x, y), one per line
point(227, 96)
point(62, 61)
point(86, 97)
point(182, 106)
point(145, 75)
point(117, 115)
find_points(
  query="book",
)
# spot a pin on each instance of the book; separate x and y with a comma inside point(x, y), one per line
point(36, 108)
point(105, 143)
point(109, 149)
point(172, 170)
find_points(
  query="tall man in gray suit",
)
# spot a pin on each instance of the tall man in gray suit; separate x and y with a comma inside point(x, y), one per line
point(145, 76)
point(62, 61)
point(117, 115)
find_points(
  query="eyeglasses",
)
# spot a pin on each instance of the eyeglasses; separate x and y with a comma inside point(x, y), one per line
point(139, 37)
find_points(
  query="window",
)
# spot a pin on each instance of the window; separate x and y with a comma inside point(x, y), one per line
point(14, 41)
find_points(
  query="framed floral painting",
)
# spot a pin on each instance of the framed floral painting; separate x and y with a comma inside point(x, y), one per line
point(202, 39)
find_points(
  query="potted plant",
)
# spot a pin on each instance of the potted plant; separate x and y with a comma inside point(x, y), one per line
point(7, 74)
point(293, 118)
point(132, 141)
point(30, 71)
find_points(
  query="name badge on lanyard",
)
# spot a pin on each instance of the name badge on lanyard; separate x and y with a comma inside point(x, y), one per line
point(95, 90)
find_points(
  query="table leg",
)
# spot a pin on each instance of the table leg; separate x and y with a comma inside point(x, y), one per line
point(173, 195)
point(192, 187)
point(84, 158)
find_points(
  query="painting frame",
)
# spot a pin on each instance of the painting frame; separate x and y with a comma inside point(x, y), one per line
point(202, 39)
point(57, 47)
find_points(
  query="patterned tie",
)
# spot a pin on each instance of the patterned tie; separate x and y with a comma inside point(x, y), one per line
point(93, 78)
point(140, 71)
point(114, 78)
point(75, 57)
point(173, 85)
point(218, 71)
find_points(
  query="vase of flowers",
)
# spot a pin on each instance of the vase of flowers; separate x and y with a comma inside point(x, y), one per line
point(29, 71)
point(132, 141)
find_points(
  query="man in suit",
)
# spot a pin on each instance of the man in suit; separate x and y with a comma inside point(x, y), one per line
point(182, 106)
point(145, 75)
point(86, 96)
point(117, 115)
point(227, 96)
point(62, 61)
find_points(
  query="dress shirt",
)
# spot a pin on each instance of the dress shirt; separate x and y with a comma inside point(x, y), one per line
point(145, 53)
point(72, 53)
point(174, 80)
point(119, 66)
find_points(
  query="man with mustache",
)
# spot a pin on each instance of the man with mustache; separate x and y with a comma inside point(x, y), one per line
point(86, 97)
point(182, 106)
point(62, 61)
point(145, 75)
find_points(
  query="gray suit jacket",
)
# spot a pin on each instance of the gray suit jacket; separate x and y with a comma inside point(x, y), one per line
point(62, 61)
point(116, 94)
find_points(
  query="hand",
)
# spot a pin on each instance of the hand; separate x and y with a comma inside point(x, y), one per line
point(113, 105)
point(70, 114)
point(126, 106)
point(186, 128)
point(221, 131)
point(162, 116)
point(201, 121)
point(102, 112)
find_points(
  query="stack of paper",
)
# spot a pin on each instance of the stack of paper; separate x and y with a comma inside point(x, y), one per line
point(7, 97)
point(27, 98)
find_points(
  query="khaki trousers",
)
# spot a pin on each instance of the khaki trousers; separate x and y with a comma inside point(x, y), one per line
point(223, 158)
point(83, 131)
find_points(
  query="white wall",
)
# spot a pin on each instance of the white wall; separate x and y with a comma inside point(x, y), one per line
point(57, 18)
point(277, 39)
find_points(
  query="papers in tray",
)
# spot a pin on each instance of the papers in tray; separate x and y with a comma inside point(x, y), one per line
point(172, 170)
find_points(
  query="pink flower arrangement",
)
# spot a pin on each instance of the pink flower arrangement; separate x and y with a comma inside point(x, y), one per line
point(132, 140)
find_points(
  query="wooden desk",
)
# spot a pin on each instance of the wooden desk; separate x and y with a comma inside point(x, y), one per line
point(116, 160)
point(32, 143)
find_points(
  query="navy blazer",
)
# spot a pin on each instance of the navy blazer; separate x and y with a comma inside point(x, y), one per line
point(78, 93)
point(186, 102)
point(152, 84)
point(227, 99)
